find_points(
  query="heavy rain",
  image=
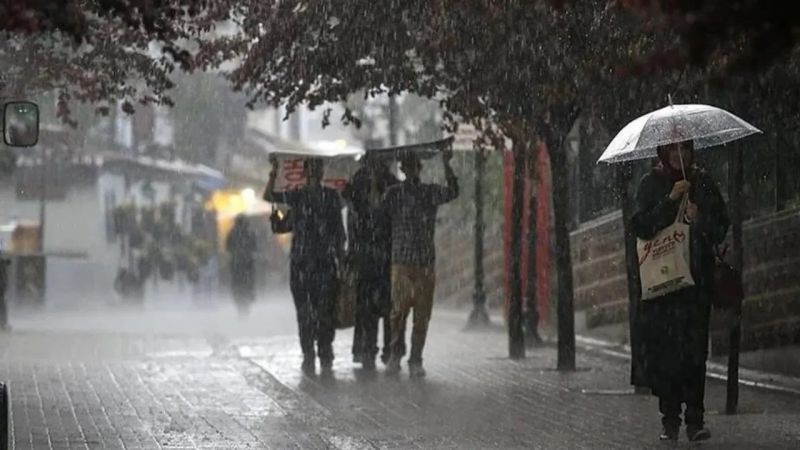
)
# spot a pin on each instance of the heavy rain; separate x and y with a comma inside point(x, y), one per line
point(397, 224)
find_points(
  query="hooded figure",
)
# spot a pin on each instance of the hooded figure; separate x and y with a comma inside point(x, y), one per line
point(674, 327)
point(241, 243)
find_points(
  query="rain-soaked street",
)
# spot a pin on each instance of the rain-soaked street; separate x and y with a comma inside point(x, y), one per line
point(570, 224)
point(189, 378)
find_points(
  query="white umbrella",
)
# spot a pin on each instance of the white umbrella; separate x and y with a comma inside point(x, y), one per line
point(706, 125)
point(321, 149)
point(341, 162)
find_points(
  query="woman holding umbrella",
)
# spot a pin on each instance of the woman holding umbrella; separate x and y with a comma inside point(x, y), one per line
point(677, 195)
point(674, 327)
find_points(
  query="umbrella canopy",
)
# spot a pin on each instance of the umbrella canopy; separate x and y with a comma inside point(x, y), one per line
point(425, 150)
point(321, 149)
point(341, 162)
point(706, 125)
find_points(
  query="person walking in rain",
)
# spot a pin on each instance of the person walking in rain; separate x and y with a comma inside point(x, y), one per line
point(241, 244)
point(371, 251)
point(674, 327)
point(317, 249)
point(412, 207)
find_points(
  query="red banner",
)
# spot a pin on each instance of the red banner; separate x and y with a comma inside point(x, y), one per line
point(543, 190)
point(338, 172)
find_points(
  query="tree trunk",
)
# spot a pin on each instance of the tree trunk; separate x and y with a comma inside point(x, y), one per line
point(532, 336)
point(554, 135)
point(516, 337)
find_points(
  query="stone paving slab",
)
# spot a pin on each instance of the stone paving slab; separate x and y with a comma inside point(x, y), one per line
point(142, 391)
point(474, 397)
point(145, 402)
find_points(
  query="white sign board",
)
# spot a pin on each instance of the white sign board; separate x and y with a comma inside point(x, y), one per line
point(340, 162)
point(337, 172)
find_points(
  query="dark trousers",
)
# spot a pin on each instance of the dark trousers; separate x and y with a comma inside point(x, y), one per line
point(243, 282)
point(314, 288)
point(690, 391)
point(373, 304)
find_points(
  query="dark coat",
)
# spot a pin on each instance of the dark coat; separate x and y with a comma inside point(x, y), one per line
point(241, 244)
point(371, 235)
point(674, 328)
point(371, 252)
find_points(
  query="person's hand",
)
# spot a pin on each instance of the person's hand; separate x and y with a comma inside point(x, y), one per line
point(679, 189)
point(273, 161)
point(447, 155)
point(691, 212)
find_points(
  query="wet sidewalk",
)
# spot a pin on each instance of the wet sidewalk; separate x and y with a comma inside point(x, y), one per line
point(229, 389)
point(474, 397)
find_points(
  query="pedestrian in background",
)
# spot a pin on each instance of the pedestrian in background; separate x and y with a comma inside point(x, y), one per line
point(241, 244)
point(412, 207)
point(317, 249)
point(674, 327)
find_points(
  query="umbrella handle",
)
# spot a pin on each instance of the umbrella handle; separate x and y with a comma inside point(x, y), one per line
point(683, 168)
point(682, 207)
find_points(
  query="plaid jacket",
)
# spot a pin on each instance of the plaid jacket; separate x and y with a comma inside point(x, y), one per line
point(412, 207)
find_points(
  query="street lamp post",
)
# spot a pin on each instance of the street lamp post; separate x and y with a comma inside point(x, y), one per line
point(479, 317)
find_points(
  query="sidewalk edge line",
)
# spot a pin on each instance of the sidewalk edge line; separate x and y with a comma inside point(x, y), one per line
point(715, 370)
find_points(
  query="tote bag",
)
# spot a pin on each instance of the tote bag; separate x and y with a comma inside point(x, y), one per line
point(346, 298)
point(665, 260)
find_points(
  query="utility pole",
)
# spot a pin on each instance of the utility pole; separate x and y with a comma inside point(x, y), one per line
point(479, 317)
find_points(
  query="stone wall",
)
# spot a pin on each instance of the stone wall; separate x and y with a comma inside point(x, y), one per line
point(771, 311)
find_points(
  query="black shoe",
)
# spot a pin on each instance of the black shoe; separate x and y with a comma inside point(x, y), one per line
point(368, 363)
point(309, 366)
point(393, 366)
point(697, 434)
point(357, 358)
point(416, 371)
point(326, 363)
point(668, 434)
